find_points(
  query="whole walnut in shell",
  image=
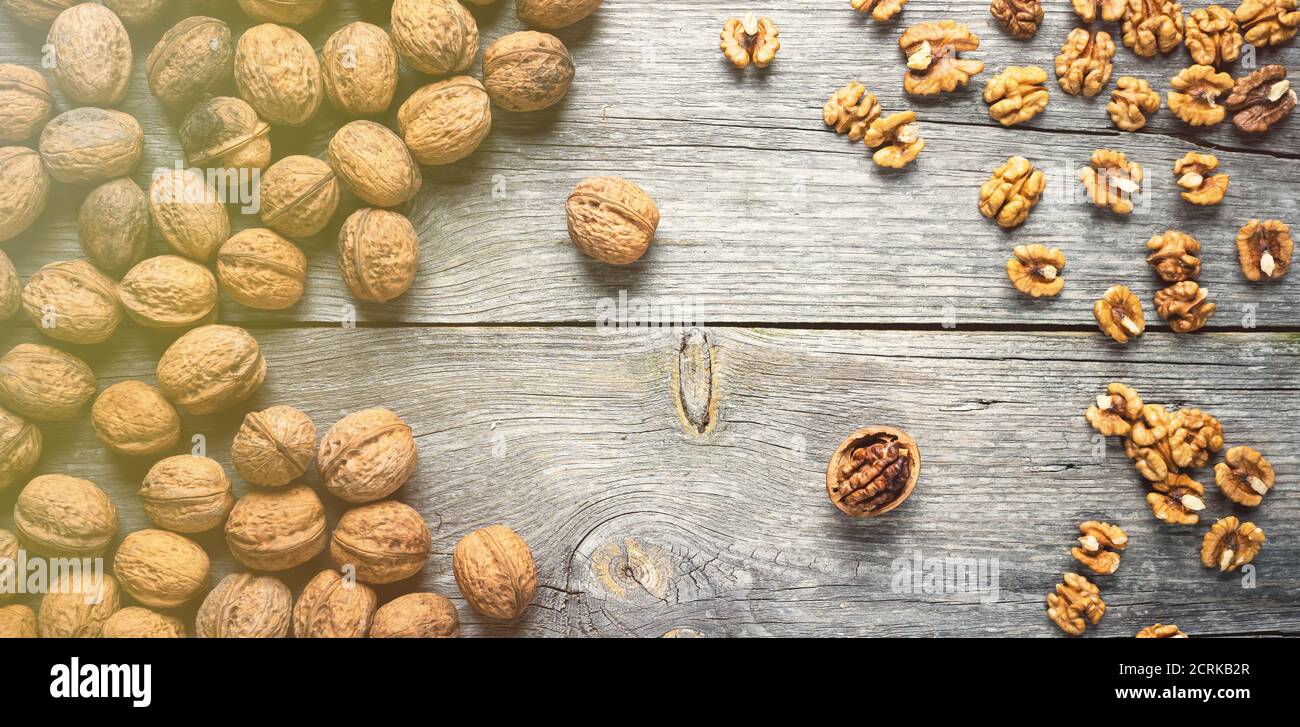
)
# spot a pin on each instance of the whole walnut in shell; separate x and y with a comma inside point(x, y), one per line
point(333, 607)
point(495, 572)
point(135, 622)
point(277, 73)
point(445, 121)
point(527, 71)
point(169, 292)
point(384, 542)
point(161, 569)
point(379, 254)
point(436, 37)
point(20, 447)
point(374, 163)
point(211, 368)
point(274, 447)
point(137, 13)
point(8, 559)
point(134, 418)
point(553, 14)
point(91, 144)
point(186, 493)
point(367, 455)
point(188, 213)
point(225, 132)
point(299, 196)
point(72, 301)
point(24, 190)
point(273, 530)
point(36, 14)
point(17, 622)
point(245, 606)
point(416, 616)
point(11, 289)
point(92, 54)
point(611, 219)
point(359, 67)
point(289, 12)
point(78, 605)
point(113, 226)
point(191, 59)
point(62, 516)
point(43, 383)
point(262, 270)
point(25, 103)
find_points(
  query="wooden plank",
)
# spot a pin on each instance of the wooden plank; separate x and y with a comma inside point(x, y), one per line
point(574, 437)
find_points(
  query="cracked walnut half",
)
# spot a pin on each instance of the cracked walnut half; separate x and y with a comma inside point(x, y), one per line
point(881, 10)
point(1174, 255)
point(896, 140)
point(851, 110)
point(1268, 22)
point(1261, 99)
point(1184, 306)
point(1213, 37)
point(1177, 500)
point(1195, 95)
point(1075, 604)
point(1012, 191)
point(1098, 546)
point(1152, 26)
point(1115, 411)
point(750, 40)
point(1019, 17)
point(1111, 180)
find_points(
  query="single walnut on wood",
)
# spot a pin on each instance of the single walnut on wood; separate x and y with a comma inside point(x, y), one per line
point(1130, 102)
point(611, 219)
point(1017, 94)
point(1098, 543)
point(277, 73)
point(1111, 180)
point(552, 14)
point(92, 55)
point(1152, 26)
point(495, 572)
point(896, 139)
point(89, 144)
point(1261, 99)
point(359, 68)
point(1264, 249)
point(1119, 314)
point(1185, 306)
point(113, 226)
point(932, 52)
point(44, 383)
point(1201, 187)
point(1230, 544)
point(1019, 17)
point(24, 189)
point(1084, 65)
point(851, 110)
point(1174, 256)
point(1213, 37)
point(1075, 604)
point(274, 447)
point(225, 132)
point(1036, 270)
point(435, 37)
point(169, 292)
point(78, 605)
point(188, 214)
point(262, 270)
point(1195, 94)
point(527, 71)
point(1115, 411)
point(274, 530)
point(299, 196)
point(1245, 476)
point(161, 569)
point(1268, 23)
point(383, 542)
point(192, 58)
point(750, 40)
point(374, 163)
point(134, 418)
point(873, 471)
point(445, 121)
point(379, 254)
point(211, 368)
point(58, 515)
point(20, 447)
point(187, 494)
point(367, 455)
point(416, 616)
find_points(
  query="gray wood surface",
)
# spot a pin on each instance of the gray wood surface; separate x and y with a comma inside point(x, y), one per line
point(675, 479)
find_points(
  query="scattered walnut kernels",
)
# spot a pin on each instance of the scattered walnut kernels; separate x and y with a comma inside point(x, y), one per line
point(1084, 65)
point(1195, 95)
point(932, 52)
point(1115, 411)
point(1119, 313)
point(1036, 270)
point(1264, 249)
point(1019, 17)
point(1075, 604)
point(1230, 544)
point(895, 139)
point(881, 10)
point(1184, 306)
point(1016, 94)
point(1213, 37)
point(1107, 10)
point(1152, 26)
point(1268, 22)
point(1261, 99)
point(1130, 102)
point(1177, 500)
point(851, 110)
point(1174, 256)
point(1098, 542)
point(750, 40)
point(1193, 173)
point(873, 471)
point(1161, 631)
point(1245, 476)
point(1012, 191)
point(1111, 180)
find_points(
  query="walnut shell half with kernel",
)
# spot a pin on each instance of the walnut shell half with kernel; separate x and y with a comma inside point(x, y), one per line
point(873, 471)
point(160, 568)
point(1230, 544)
point(211, 368)
point(187, 494)
point(333, 607)
point(58, 515)
point(495, 572)
point(416, 616)
point(274, 530)
point(1119, 314)
point(73, 302)
point(445, 121)
point(527, 71)
point(262, 270)
point(611, 219)
point(274, 447)
point(383, 542)
point(169, 292)
point(134, 418)
point(245, 606)
point(1264, 249)
point(20, 447)
point(367, 455)
point(44, 383)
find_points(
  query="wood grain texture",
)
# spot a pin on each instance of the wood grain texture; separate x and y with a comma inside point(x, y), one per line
point(639, 524)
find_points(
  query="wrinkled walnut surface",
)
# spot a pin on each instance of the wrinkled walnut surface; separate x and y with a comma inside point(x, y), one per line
point(932, 52)
point(1174, 255)
point(750, 40)
point(1153, 26)
point(1084, 64)
point(1213, 37)
point(1098, 543)
point(1194, 176)
point(367, 455)
point(1019, 17)
point(1161, 631)
point(1130, 102)
point(59, 515)
point(495, 572)
point(1184, 306)
point(1119, 314)
point(1016, 95)
point(1245, 476)
point(1111, 180)
point(273, 530)
point(1036, 270)
point(383, 542)
point(334, 607)
point(1261, 99)
point(1115, 411)
point(1195, 95)
point(245, 606)
point(1264, 249)
point(274, 447)
point(1268, 22)
point(1230, 544)
point(134, 418)
point(873, 471)
point(45, 383)
point(896, 140)
point(851, 110)
point(1075, 604)
point(416, 616)
point(1012, 191)
point(161, 569)
point(186, 493)
point(1107, 10)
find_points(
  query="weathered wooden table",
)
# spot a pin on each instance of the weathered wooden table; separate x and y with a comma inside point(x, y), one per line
point(672, 476)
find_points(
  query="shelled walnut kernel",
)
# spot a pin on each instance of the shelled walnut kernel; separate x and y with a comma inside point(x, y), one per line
point(1268, 22)
point(1245, 476)
point(1012, 191)
point(1213, 37)
point(1184, 306)
point(1115, 412)
point(1107, 10)
point(1177, 500)
point(1036, 270)
point(1202, 187)
point(1098, 543)
point(750, 40)
point(1152, 26)
point(1264, 249)
point(1161, 631)
point(851, 110)
point(1130, 102)
point(895, 139)
point(1174, 256)
point(1230, 544)
point(1195, 94)
point(1075, 604)
point(1084, 64)
point(1119, 313)
point(933, 63)
point(1019, 17)
point(881, 10)
point(873, 471)
point(1016, 95)
point(1261, 99)
point(1111, 180)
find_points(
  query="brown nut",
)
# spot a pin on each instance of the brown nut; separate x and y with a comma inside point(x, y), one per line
point(383, 542)
point(37, 14)
point(72, 302)
point(17, 622)
point(137, 13)
point(134, 418)
point(20, 447)
point(374, 163)
point(245, 606)
point(1036, 270)
point(274, 447)
point(1230, 544)
point(192, 58)
point(851, 110)
point(225, 132)
point(445, 121)
point(527, 71)
point(1075, 604)
point(1202, 187)
point(1012, 191)
point(43, 383)
point(113, 226)
point(495, 572)
point(78, 605)
point(1174, 256)
point(277, 73)
point(274, 530)
point(262, 270)
point(91, 144)
point(1084, 65)
point(873, 471)
point(1264, 249)
point(1016, 94)
point(1261, 99)
point(1115, 411)
point(416, 616)
point(1195, 94)
point(611, 219)
point(161, 569)
point(8, 563)
point(1161, 631)
point(436, 37)
point(141, 623)
point(25, 103)
point(881, 10)
point(1213, 37)
point(25, 190)
point(333, 607)
point(211, 368)
point(552, 14)
point(57, 515)
point(379, 254)
point(92, 53)
point(1111, 180)
point(896, 139)
point(187, 494)
point(1184, 306)
point(932, 52)
point(1268, 22)
point(169, 292)
point(367, 456)
point(187, 213)
point(288, 12)
point(1098, 543)
point(299, 196)
point(750, 40)
point(1245, 476)
point(1119, 313)
point(1019, 17)
point(359, 68)
point(1152, 26)
point(1107, 10)
point(1130, 102)
point(11, 289)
